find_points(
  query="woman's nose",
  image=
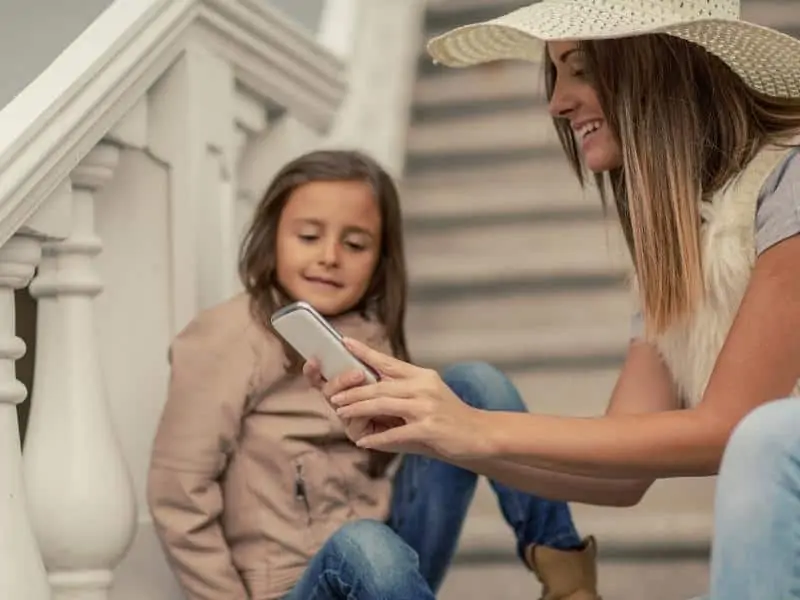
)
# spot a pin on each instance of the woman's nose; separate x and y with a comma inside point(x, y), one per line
point(562, 102)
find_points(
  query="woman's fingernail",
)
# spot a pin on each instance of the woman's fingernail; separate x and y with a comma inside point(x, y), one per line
point(336, 398)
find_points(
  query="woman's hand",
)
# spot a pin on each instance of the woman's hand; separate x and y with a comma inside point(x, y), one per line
point(426, 415)
point(356, 428)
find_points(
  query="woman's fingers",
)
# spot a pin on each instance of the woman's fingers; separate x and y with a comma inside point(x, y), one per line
point(396, 439)
point(382, 406)
point(385, 365)
point(313, 374)
point(389, 387)
point(343, 382)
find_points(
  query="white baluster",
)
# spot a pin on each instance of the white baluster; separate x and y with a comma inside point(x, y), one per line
point(22, 573)
point(80, 493)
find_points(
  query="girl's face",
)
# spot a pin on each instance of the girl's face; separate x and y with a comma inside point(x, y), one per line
point(576, 100)
point(328, 244)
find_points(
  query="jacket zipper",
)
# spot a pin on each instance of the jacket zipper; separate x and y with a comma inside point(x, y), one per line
point(300, 491)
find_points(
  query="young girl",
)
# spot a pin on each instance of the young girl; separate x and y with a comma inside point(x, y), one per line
point(255, 489)
point(689, 118)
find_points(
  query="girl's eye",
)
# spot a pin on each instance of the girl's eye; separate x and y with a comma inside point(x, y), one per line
point(308, 237)
point(355, 246)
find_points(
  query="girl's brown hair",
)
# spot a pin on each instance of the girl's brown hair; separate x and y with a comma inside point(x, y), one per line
point(385, 298)
point(686, 124)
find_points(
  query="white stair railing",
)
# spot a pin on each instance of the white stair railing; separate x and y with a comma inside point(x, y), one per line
point(80, 496)
point(188, 84)
point(22, 573)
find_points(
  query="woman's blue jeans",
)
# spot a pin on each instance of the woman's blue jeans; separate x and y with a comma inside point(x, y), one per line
point(756, 549)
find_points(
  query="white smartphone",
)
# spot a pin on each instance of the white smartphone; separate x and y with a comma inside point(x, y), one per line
point(312, 336)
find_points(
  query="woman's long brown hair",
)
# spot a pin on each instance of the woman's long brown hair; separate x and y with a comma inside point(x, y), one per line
point(385, 299)
point(686, 124)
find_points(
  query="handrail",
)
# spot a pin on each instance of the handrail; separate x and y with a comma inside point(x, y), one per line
point(68, 108)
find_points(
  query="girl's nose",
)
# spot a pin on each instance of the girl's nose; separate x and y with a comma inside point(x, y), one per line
point(330, 254)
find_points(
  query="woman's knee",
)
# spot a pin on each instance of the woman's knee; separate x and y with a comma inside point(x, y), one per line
point(373, 551)
point(764, 439)
point(483, 386)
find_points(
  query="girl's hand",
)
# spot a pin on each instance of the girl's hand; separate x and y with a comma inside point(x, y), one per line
point(355, 429)
point(428, 416)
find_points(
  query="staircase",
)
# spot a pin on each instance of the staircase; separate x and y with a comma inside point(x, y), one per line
point(512, 263)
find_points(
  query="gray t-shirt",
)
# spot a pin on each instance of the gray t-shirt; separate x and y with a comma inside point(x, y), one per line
point(777, 214)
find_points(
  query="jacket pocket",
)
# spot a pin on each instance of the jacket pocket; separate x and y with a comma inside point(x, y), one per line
point(301, 496)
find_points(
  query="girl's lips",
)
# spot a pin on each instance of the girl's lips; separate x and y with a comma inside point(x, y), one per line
point(322, 281)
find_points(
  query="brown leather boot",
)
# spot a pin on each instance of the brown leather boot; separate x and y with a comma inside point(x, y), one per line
point(565, 574)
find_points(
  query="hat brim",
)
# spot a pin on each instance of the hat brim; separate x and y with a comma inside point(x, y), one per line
point(767, 60)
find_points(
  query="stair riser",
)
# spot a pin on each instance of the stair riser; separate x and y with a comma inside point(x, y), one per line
point(494, 253)
point(521, 312)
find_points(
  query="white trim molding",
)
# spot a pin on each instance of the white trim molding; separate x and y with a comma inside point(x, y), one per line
point(54, 122)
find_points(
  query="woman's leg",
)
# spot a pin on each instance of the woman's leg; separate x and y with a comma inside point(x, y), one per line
point(363, 560)
point(431, 499)
point(756, 551)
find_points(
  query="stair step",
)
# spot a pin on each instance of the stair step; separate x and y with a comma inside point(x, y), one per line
point(441, 16)
point(522, 313)
point(779, 14)
point(518, 129)
point(564, 393)
point(564, 347)
point(457, 161)
point(443, 7)
point(544, 185)
point(497, 253)
point(487, 84)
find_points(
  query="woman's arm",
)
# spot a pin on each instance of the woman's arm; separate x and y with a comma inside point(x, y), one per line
point(759, 362)
point(644, 386)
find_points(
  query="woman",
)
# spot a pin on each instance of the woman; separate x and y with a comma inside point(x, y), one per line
point(689, 118)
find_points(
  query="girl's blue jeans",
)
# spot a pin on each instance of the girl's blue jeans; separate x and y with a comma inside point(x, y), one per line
point(407, 557)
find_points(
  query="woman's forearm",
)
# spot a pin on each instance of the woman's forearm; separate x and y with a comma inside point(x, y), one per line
point(559, 486)
point(681, 443)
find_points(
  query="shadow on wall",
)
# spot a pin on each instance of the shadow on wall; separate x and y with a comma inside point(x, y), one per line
point(25, 321)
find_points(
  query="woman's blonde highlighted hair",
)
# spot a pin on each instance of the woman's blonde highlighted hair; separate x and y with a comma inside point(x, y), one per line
point(686, 124)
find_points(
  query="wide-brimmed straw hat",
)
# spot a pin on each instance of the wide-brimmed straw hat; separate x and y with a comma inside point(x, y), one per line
point(767, 60)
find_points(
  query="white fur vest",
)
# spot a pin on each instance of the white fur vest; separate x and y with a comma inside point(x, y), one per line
point(690, 348)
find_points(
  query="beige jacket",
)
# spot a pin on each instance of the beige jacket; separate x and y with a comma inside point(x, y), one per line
point(690, 348)
point(251, 470)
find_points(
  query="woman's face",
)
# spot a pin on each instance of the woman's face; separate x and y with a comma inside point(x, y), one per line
point(576, 100)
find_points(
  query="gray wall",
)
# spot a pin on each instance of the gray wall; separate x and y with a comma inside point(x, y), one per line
point(34, 32)
point(305, 12)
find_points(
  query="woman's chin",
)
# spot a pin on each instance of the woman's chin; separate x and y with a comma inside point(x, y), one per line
point(598, 162)
point(601, 155)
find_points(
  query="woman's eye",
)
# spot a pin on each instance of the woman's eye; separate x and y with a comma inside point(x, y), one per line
point(308, 237)
point(355, 246)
